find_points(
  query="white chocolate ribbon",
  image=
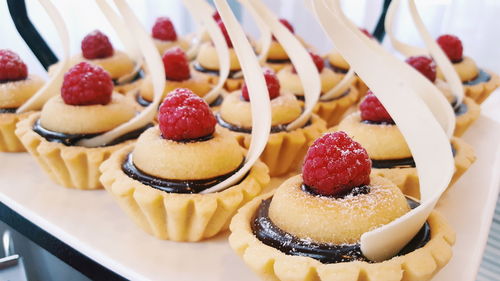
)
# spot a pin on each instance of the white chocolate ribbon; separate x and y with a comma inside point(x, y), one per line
point(257, 89)
point(155, 65)
point(265, 32)
point(301, 60)
point(397, 85)
point(201, 10)
point(53, 85)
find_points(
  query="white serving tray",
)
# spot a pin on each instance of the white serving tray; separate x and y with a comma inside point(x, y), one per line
point(92, 223)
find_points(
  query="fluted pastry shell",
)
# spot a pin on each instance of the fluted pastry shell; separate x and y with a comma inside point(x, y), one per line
point(480, 92)
point(13, 94)
point(303, 214)
point(290, 82)
point(465, 120)
point(285, 150)
point(9, 142)
point(175, 216)
point(163, 45)
point(69, 166)
point(271, 264)
point(332, 111)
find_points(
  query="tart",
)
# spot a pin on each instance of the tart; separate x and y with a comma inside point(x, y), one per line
point(160, 181)
point(86, 107)
point(285, 149)
point(330, 110)
point(310, 227)
point(16, 87)
point(165, 37)
point(391, 157)
point(207, 63)
point(466, 113)
point(178, 74)
point(478, 83)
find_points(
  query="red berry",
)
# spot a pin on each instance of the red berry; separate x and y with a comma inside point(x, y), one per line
point(185, 116)
point(176, 64)
point(424, 65)
point(216, 16)
point(164, 29)
point(318, 61)
point(12, 68)
point(372, 110)
point(288, 25)
point(273, 85)
point(86, 84)
point(224, 32)
point(452, 46)
point(366, 32)
point(335, 164)
point(96, 45)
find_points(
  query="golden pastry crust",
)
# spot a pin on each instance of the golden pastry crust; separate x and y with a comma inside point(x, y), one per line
point(174, 216)
point(9, 142)
point(337, 60)
point(16, 93)
point(466, 69)
point(332, 111)
point(231, 84)
point(88, 119)
point(290, 82)
point(303, 214)
point(389, 143)
point(163, 45)
point(69, 166)
point(207, 58)
point(173, 160)
point(465, 120)
point(285, 150)
point(480, 92)
point(276, 51)
point(272, 264)
point(284, 109)
point(118, 65)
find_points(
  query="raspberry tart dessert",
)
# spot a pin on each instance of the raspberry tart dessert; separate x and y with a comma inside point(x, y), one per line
point(285, 149)
point(178, 74)
point(466, 113)
point(16, 87)
point(310, 227)
point(331, 110)
point(207, 63)
point(165, 37)
point(391, 157)
point(478, 83)
point(87, 107)
point(160, 181)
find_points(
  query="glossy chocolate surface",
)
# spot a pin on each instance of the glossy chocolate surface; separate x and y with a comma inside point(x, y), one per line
point(344, 94)
point(270, 234)
point(143, 102)
point(335, 68)
point(482, 77)
point(8, 110)
point(138, 76)
point(234, 128)
point(173, 186)
point(278, 61)
point(200, 68)
point(72, 139)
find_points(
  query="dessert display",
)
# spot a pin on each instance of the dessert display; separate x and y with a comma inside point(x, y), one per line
point(283, 235)
point(478, 83)
point(331, 109)
point(165, 37)
point(178, 74)
point(391, 157)
point(466, 112)
point(161, 179)
point(16, 87)
point(86, 107)
point(284, 149)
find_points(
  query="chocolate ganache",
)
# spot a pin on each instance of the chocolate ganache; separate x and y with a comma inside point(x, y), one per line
point(7, 110)
point(301, 98)
point(143, 102)
point(335, 68)
point(482, 77)
point(173, 186)
point(232, 73)
point(234, 128)
point(72, 139)
point(270, 234)
point(278, 61)
point(138, 76)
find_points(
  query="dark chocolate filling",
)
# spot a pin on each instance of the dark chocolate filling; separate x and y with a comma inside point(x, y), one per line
point(138, 76)
point(461, 109)
point(270, 234)
point(234, 128)
point(328, 100)
point(278, 61)
point(143, 102)
point(8, 110)
point(173, 186)
point(335, 68)
point(72, 139)
point(200, 68)
point(482, 77)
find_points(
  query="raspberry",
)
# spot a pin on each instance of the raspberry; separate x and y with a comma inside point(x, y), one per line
point(288, 25)
point(224, 32)
point(273, 85)
point(366, 32)
point(216, 16)
point(12, 68)
point(96, 45)
point(318, 61)
point(452, 46)
point(86, 84)
point(424, 65)
point(372, 110)
point(164, 29)
point(335, 164)
point(176, 64)
point(184, 116)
